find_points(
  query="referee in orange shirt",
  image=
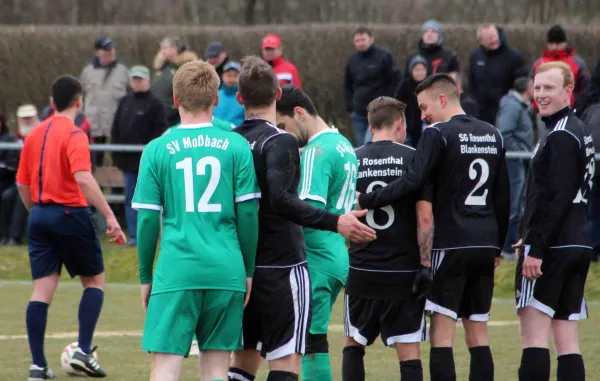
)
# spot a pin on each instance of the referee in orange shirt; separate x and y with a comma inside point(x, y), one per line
point(55, 182)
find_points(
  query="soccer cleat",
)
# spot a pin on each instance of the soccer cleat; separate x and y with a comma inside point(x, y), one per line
point(39, 374)
point(86, 363)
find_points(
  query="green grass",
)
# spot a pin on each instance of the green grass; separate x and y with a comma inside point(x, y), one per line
point(124, 361)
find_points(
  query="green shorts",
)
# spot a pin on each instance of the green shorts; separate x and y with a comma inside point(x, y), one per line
point(325, 290)
point(214, 316)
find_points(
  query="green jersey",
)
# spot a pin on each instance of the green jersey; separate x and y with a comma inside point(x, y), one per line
point(195, 174)
point(329, 173)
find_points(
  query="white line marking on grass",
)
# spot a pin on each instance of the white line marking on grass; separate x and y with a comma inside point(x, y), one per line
point(74, 335)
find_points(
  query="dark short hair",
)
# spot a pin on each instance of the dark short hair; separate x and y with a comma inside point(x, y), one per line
point(292, 97)
point(363, 30)
point(384, 111)
point(65, 91)
point(522, 84)
point(441, 82)
point(257, 83)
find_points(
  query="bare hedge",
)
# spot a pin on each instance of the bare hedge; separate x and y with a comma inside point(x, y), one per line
point(31, 57)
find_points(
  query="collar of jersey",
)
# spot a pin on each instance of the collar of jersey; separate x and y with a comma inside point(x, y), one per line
point(327, 131)
point(197, 125)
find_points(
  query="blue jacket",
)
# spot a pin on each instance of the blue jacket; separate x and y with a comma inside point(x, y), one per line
point(514, 123)
point(228, 108)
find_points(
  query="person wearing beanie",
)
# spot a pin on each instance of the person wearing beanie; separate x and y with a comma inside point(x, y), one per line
point(229, 109)
point(557, 49)
point(493, 68)
point(406, 94)
point(439, 59)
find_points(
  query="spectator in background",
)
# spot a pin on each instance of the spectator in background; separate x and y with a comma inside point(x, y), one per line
point(587, 108)
point(439, 59)
point(14, 212)
point(104, 82)
point(217, 56)
point(173, 53)
point(515, 123)
point(9, 162)
point(285, 70)
point(140, 118)
point(557, 49)
point(229, 109)
point(467, 103)
point(494, 67)
point(371, 72)
point(417, 68)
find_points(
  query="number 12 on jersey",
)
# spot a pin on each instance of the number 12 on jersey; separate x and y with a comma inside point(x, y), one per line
point(188, 182)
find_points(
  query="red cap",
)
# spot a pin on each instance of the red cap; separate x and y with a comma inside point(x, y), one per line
point(271, 41)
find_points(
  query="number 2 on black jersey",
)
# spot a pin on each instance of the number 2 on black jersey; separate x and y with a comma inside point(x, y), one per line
point(484, 174)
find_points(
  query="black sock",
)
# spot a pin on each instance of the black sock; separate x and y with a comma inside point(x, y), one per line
point(36, 318)
point(441, 364)
point(411, 370)
point(482, 364)
point(89, 312)
point(570, 368)
point(280, 375)
point(353, 364)
point(535, 365)
point(237, 374)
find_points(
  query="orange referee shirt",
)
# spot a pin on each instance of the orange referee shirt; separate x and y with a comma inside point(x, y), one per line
point(53, 151)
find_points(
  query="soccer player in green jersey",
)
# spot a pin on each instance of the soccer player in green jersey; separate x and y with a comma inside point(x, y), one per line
point(203, 180)
point(328, 181)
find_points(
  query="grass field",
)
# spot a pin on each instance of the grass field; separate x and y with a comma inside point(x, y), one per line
point(121, 322)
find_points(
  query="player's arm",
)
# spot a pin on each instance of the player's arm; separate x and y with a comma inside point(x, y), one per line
point(501, 200)
point(425, 232)
point(561, 153)
point(23, 179)
point(282, 160)
point(427, 153)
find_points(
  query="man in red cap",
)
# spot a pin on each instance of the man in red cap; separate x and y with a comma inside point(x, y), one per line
point(285, 70)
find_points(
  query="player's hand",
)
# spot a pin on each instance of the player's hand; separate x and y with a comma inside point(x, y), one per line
point(358, 207)
point(146, 290)
point(532, 268)
point(498, 262)
point(518, 247)
point(114, 231)
point(422, 282)
point(350, 227)
point(248, 290)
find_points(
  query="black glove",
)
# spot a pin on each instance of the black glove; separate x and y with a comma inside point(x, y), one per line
point(422, 282)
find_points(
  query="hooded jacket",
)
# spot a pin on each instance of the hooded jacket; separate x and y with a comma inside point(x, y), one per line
point(369, 74)
point(229, 108)
point(406, 94)
point(103, 87)
point(162, 81)
point(577, 64)
point(492, 73)
point(514, 123)
point(439, 59)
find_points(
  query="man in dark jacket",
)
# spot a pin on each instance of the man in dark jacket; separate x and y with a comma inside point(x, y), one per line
point(140, 118)
point(494, 67)
point(515, 123)
point(440, 59)
point(217, 56)
point(371, 72)
point(406, 94)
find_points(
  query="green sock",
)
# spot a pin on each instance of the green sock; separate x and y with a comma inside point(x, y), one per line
point(316, 367)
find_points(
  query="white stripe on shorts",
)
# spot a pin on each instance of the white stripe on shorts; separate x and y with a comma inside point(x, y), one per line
point(436, 260)
point(300, 286)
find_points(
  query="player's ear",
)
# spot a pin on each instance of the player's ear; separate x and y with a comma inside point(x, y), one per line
point(300, 112)
point(216, 102)
point(443, 100)
point(278, 95)
point(569, 92)
point(239, 98)
point(175, 101)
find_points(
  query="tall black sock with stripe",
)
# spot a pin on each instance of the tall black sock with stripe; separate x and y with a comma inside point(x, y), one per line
point(441, 364)
point(571, 368)
point(237, 374)
point(535, 365)
point(482, 364)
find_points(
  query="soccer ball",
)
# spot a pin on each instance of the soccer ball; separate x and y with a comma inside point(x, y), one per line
point(67, 354)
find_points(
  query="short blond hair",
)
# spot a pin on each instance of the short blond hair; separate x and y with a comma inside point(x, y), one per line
point(195, 86)
point(564, 68)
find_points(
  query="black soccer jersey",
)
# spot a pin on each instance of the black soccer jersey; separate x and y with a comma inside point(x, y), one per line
point(558, 187)
point(390, 261)
point(281, 212)
point(464, 158)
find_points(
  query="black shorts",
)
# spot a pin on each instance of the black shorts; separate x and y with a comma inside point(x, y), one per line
point(398, 321)
point(58, 235)
point(558, 292)
point(277, 317)
point(463, 283)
